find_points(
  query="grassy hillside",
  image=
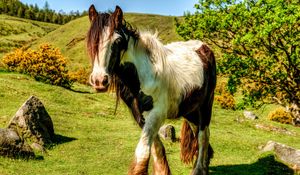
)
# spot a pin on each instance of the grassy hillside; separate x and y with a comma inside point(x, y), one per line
point(17, 32)
point(70, 38)
point(97, 142)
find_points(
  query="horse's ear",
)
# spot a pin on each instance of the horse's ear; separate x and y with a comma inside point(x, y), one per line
point(92, 13)
point(118, 17)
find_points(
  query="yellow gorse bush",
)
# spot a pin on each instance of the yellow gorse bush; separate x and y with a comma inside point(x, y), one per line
point(80, 76)
point(223, 97)
point(226, 100)
point(45, 64)
point(281, 116)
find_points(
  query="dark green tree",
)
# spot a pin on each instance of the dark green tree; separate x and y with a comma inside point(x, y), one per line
point(260, 44)
point(46, 6)
point(29, 14)
point(21, 12)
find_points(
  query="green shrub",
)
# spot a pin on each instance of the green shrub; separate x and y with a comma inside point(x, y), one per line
point(281, 116)
point(45, 64)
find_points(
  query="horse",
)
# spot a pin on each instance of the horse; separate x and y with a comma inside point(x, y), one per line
point(156, 82)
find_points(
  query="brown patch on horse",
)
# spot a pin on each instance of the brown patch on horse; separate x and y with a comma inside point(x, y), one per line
point(206, 55)
point(139, 168)
point(160, 166)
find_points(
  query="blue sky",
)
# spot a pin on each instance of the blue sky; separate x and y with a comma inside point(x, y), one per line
point(163, 7)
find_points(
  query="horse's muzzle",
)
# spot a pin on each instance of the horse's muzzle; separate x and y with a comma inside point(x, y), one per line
point(100, 84)
point(101, 88)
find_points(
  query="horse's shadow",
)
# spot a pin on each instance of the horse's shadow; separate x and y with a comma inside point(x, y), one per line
point(264, 166)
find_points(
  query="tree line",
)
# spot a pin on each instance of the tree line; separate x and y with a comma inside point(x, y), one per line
point(33, 12)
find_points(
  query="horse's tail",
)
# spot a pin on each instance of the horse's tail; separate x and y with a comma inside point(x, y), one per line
point(189, 144)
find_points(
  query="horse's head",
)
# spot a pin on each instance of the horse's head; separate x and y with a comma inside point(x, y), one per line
point(105, 41)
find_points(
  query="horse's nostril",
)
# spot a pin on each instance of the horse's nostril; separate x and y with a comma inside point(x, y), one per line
point(105, 80)
point(97, 82)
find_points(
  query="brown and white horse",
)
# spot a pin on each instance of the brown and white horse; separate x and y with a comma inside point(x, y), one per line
point(156, 81)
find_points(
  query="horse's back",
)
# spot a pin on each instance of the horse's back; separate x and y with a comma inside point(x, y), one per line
point(186, 65)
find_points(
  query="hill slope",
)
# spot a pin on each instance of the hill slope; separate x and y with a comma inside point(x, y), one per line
point(70, 38)
point(16, 32)
point(95, 141)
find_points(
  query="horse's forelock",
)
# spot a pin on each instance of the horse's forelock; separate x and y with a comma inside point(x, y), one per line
point(96, 31)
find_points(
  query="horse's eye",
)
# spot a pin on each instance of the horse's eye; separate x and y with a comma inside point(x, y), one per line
point(118, 40)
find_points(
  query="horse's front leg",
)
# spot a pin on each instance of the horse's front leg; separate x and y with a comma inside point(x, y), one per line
point(160, 163)
point(153, 122)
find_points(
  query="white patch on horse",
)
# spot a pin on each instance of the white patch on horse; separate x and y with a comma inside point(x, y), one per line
point(102, 58)
point(142, 151)
point(172, 70)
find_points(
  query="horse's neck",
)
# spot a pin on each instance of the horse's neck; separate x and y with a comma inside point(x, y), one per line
point(148, 56)
point(154, 50)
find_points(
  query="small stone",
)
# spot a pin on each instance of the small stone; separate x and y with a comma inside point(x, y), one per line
point(250, 115)
point(167, 132)
point(269, 146)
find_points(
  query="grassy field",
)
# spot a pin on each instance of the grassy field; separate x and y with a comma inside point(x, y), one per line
point(95, 141)
point(70, 38)
point(17, 32)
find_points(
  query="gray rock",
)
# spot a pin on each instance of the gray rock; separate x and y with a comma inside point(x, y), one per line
point(288, 155)
point(11, 145)
point(8, 137)
point(250, 115)
point(33, 123)
point(167, 132)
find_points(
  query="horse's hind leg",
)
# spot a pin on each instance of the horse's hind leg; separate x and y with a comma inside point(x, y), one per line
point(205, 151)
point(202, 163)
point(160, 163)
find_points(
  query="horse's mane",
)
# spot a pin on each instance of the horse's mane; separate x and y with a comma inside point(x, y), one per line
point(155, 49)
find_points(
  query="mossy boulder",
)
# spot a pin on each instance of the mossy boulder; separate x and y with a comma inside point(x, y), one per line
point(29, 129)
point(33, 123)
point(11, 145)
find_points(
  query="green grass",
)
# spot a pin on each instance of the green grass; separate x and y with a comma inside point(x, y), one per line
point(70, 38)
point(98, 142)
point(17, 32)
